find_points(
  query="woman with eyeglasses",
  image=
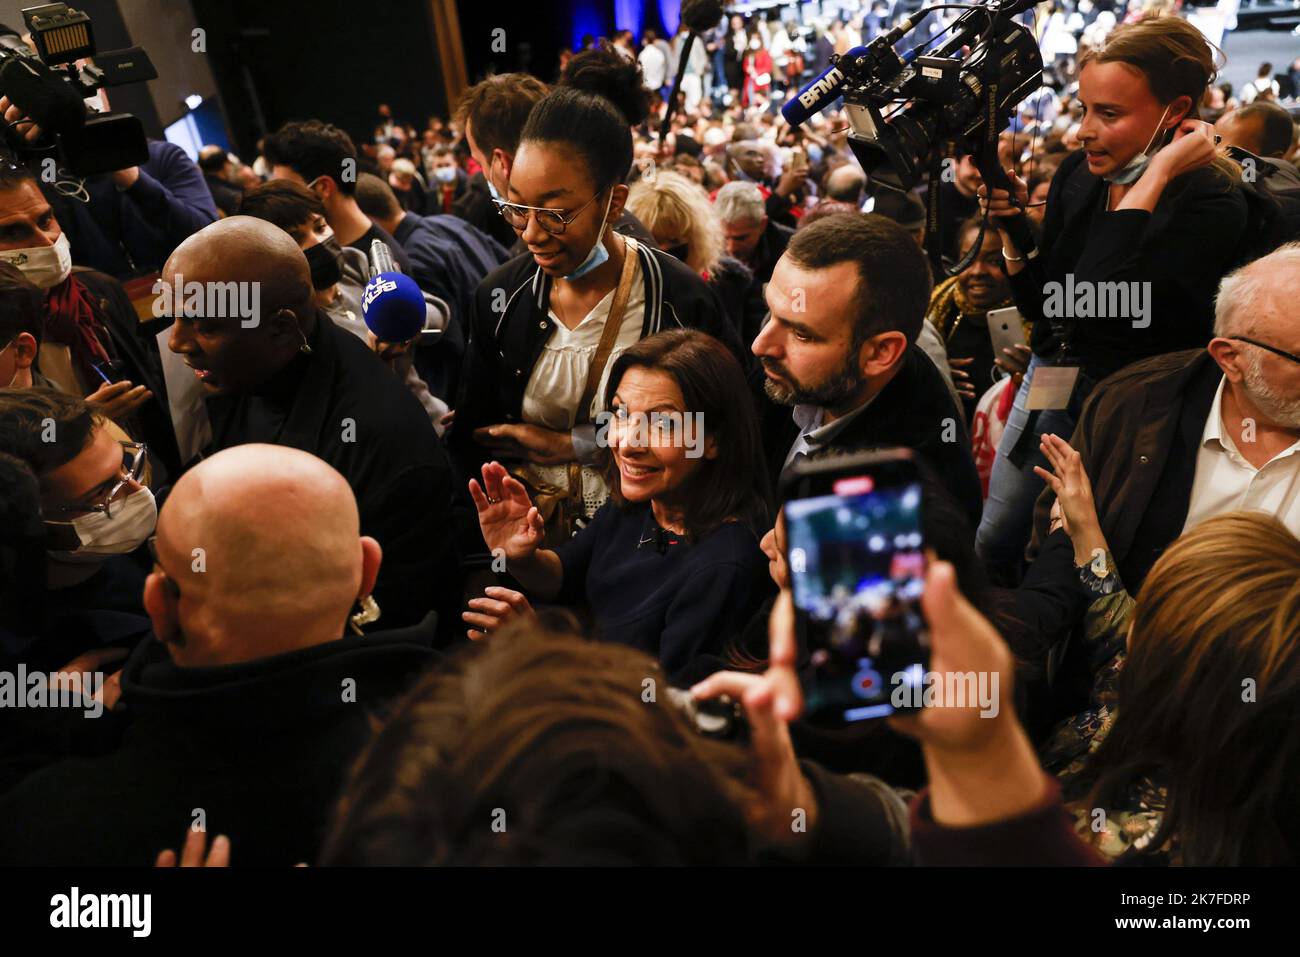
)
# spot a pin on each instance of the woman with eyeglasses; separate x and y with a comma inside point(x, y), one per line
point(547, 326)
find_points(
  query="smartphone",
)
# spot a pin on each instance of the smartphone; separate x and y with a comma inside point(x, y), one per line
point(798, 158)
point(857, 567)
point(110, 370)
point(1005, 329)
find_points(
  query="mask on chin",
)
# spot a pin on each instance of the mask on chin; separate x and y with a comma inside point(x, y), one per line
point(1134, 168)
point(599, 255)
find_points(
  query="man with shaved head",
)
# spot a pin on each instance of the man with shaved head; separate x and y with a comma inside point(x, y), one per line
point(289, 376)
point(250, 706)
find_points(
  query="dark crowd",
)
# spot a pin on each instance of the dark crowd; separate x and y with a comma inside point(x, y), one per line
point(515, 586)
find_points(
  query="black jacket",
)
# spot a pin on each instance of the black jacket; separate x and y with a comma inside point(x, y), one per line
point(770, 248)
point(262, 748)
point(1183, 249)
point(741, 296)
point(1138, 436)
point(475, 207)
point(343, 405)
point(915, 411)
point(506, 342)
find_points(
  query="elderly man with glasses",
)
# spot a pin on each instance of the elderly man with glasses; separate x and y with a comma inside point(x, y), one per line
point(1173, 440)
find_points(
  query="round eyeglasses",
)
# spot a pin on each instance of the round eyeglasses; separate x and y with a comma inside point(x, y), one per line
point(135, 456)
point(554, 221)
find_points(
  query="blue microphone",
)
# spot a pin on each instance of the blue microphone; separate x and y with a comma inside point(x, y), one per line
point(392, 304)
point(819, 93)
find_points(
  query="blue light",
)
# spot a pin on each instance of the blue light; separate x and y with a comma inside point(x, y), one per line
point(670, 14)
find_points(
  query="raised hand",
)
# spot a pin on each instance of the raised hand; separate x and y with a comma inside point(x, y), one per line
point(506, 514)
point(1071, 485)
point(1192, 147)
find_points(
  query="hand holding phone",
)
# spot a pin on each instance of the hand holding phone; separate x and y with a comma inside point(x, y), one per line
point(857, 566)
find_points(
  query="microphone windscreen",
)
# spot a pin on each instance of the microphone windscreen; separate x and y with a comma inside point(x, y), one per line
point(393, 307)
point(701, 16)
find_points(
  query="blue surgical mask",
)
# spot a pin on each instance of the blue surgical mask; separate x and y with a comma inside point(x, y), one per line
point(599, 255)
point(1134, 168)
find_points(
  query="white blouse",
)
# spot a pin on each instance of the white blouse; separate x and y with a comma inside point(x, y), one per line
point(560, 373)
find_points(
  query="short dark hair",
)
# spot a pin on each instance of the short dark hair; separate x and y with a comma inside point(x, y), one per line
point(498, 108)
point(734, 484)
point(553, 729)
point(893, 277)
point(590, 125)
point(1277, 129)
point(283, 202)
point(312, 149)
point(376, 198)
point(213, 160)
point(30, 417)
point(22, 305)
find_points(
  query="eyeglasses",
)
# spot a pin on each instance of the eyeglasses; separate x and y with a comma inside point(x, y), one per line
point(551, 220)
point(1273, 349)
point(134, 458)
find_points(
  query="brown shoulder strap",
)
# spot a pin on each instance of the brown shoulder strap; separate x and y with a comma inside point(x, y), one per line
point(613, 322)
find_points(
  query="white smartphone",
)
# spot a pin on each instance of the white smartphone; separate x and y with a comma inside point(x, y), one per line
point(1005, 329)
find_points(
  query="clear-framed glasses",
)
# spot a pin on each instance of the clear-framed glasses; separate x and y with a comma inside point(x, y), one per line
point(1273, 349)
point(554, 221)
point(135, 456)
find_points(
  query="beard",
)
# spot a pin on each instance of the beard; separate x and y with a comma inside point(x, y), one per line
point(835, 391)
point(1282, 410)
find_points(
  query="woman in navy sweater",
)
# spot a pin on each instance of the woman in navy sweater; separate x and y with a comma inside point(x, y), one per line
point(671, 563)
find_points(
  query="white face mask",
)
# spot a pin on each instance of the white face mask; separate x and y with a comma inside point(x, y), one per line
point(445, 174)
point(122, 534)
point(44, 266)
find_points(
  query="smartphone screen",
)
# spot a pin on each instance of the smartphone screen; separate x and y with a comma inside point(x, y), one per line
point(857, 568)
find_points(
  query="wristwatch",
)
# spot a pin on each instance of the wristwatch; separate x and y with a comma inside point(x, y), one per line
point(1100, 576)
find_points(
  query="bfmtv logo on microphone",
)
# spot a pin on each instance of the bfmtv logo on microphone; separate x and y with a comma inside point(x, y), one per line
point(393, 307)
point(376, 288)
point(828, 83)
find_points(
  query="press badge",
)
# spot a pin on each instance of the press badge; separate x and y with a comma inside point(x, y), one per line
point(1052, 387)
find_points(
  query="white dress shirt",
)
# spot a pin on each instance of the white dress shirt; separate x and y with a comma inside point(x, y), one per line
point(1226, 482)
